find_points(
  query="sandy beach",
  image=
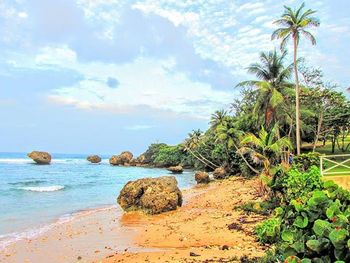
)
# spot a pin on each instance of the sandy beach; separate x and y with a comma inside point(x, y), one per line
point(196, 232)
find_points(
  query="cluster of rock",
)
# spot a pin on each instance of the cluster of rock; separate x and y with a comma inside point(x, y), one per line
point(151, 195)
point(40, 157)
point(122, 159)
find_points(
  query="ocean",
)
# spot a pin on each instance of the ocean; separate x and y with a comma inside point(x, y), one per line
point(33, 197)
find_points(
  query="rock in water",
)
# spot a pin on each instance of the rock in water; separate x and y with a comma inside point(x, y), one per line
point(122, 159)
point(94, 159)
point(152, 195)
point(126, 156)
point(40, 157)
point(176, 169)
point(201, 177)
point(220, 173)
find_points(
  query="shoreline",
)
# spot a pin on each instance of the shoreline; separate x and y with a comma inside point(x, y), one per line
point(107, 234)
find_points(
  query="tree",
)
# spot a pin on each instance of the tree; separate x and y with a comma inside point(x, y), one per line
point(266, 147)
point(217, 117)
point(191, 143)
point(272, 83)
point(294, 24)
point(228, 134)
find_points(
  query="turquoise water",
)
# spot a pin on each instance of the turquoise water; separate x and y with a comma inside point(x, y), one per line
point(34, 196)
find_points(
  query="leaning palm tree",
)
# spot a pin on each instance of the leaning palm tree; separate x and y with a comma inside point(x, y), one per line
point(272, 85)
point(191, 144)
point(294, 24)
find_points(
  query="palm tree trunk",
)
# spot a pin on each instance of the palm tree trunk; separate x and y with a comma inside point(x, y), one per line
point(200, 159)
point(297, 106)
point(245, 160)
point(205, 159)
point(320, 120)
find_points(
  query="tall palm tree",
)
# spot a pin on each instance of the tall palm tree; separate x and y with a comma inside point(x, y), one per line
point(294, 24)
point(272, 84)
point(217, 117)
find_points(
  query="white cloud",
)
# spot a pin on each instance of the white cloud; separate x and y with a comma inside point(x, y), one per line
point(144, 84)
point(138, 127)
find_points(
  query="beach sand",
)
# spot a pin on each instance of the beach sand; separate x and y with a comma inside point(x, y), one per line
point(196, 232)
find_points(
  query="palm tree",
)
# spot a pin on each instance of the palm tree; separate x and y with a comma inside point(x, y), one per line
point(217, 117)
point(265, 147)
point(272, 83)
point(227, 134)
point(191, 143)
point(294, 24)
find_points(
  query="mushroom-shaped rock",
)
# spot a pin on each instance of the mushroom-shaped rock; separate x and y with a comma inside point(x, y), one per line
point(220, 173)
point(151, 195)
point(40, 157)
point(116, 160)
point(126, 156)
point(121, 159)
point(176, 169)
point(94, 159)
point(201, 177)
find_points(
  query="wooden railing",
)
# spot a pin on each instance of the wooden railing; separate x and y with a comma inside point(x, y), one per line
point(340, 164)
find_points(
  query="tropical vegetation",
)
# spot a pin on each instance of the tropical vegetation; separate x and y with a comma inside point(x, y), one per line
point(288, 114)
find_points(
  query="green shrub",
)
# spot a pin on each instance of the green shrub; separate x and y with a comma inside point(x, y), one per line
point(297, 184)
point(268, 231)
point(315, 226)
point(169, 156)
point(305, 161)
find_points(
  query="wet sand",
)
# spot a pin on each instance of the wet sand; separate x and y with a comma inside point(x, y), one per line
point(196, 232)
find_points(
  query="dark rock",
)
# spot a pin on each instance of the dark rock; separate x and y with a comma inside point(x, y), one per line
point(234, 226)
point(94, 159)
point(225, 247)
point(152, 195)
point(192, 254)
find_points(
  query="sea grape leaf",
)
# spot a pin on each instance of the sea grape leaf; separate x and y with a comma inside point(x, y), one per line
point(301, 222)
point(321, 227)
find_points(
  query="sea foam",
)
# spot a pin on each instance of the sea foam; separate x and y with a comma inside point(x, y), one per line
point(51, 188)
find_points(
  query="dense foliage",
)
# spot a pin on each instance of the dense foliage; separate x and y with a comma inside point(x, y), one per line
point(313, 223)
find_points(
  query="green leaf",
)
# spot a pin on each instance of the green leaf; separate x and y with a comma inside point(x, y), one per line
point(306, 260)
point(338, 236)
point(321, 228)
point(288, 236)
point(301, 222)
point(314, 245)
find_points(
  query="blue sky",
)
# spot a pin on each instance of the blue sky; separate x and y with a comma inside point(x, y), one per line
point(102, 76)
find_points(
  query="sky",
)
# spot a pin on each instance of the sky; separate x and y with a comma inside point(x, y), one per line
point(103, 76)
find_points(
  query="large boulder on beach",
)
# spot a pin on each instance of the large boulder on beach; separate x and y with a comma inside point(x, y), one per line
point(94, 159)
point(201, 177)
point(151, 195)
point(122, 159)
point(176, 169)
point(40, 157)
point(220, 173)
